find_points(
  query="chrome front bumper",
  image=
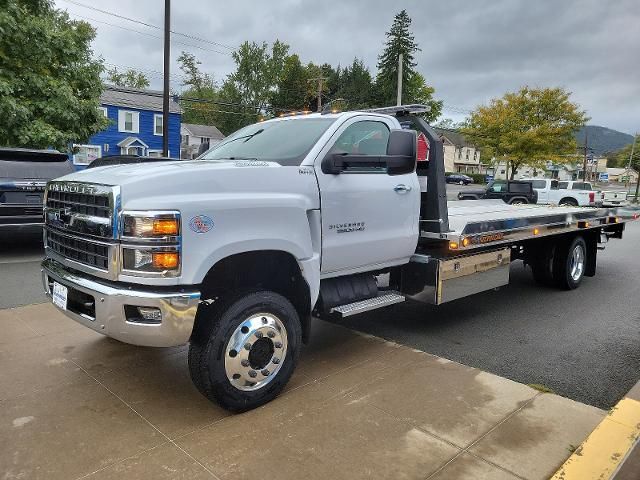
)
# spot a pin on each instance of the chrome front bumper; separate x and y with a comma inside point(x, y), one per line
point(107, 314)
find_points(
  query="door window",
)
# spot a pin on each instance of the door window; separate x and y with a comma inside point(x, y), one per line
point(363, 138)
point(540, 184)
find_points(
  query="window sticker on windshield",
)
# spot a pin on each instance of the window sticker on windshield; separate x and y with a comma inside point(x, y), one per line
point(201, 224)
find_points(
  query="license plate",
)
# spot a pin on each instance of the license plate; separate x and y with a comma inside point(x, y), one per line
point(60, 295)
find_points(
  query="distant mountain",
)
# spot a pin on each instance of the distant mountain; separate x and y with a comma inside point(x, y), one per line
point(602, 139)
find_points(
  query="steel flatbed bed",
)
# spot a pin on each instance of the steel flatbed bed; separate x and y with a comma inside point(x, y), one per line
point(477, 223)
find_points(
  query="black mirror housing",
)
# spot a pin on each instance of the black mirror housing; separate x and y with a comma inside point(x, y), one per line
point(400, 158)
point(402, 152)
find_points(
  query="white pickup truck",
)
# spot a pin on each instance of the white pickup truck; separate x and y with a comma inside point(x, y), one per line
point(568, 193)
point(320, 215)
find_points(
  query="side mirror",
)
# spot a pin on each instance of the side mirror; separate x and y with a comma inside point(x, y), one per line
point(401, 152)
point(400, 158)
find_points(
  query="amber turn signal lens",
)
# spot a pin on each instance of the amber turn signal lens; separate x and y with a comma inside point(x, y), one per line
point(165, 226)
point(166, 260)
point(536, 231)
point(453, 245)
point(466, 242)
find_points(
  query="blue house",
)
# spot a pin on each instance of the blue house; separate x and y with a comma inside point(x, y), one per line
point(135, 126)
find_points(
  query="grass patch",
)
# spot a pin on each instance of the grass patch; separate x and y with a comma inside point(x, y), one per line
point(540, 388)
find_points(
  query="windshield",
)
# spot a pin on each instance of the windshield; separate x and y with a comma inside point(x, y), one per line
point(286, 142)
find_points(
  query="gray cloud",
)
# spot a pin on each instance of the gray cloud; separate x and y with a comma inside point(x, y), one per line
point(471, 50)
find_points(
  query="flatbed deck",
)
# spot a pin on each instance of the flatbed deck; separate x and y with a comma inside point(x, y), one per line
point(476, 223)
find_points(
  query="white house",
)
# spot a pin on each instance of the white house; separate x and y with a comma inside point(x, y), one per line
point(460, 156)
point(193, 138)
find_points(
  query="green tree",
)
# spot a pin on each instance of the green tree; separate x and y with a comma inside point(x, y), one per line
point(195, 79)
point(199, 98)
point(130, 78)
point(400, 40)
point(292, 90)
point(249, 89)
point(528, 127)
point(355, 85)
point(49, 83)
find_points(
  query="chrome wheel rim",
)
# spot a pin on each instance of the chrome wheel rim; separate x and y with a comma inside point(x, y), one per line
point(255, 352)
point(576, 266)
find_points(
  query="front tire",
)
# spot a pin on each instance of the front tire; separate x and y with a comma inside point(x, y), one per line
point(244, 351)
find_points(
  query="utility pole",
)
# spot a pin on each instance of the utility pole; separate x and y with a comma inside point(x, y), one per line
point(399, 99)
point(584, 167)
point(633, 147)
point(319, 80)
point(167, 60)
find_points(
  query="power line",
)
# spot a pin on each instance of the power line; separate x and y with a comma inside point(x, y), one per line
point(145, 33)
point(140, 22)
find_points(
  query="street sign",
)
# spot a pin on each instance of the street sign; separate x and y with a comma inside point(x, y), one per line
point(603, 177)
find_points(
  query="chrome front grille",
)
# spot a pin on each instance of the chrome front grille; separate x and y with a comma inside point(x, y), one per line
point(80, 250)
point(85, 204)
point(81, 226)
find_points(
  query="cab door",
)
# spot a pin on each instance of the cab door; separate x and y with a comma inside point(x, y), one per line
point(370, 219)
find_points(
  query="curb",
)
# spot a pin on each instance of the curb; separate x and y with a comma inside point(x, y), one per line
point(603, 454)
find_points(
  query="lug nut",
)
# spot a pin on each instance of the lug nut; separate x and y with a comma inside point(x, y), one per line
point(278, 344)
point(265, 372)
point(247, 346)
point(244, 363)
point(253, 373)
point(264, 319)
point(275, 360)
point(271, 334)
point(258, 334)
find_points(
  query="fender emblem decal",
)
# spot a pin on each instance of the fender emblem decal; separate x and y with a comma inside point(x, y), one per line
point(201, 224)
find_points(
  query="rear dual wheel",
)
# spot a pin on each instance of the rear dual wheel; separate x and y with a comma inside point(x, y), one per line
point(244, 351)
point(561, 265)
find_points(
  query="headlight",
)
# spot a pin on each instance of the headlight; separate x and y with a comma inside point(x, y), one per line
point(151, 243)
point(154, 259)
point(150, 225)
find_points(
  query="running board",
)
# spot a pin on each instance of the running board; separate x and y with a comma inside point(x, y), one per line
point(383, 300)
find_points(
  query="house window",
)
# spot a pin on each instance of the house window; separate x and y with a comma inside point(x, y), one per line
point(157, 124)
point(467, 155)
point(204, 139)
point(128, 121)
point(104, 111)
point(85, 154)
point(154, 153)
point(460, 154)
point(475, 156)
point(185, 138)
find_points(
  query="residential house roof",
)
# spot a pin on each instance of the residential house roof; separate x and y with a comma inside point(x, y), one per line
point(136, 98)
point(454, 138)
point(206, 131)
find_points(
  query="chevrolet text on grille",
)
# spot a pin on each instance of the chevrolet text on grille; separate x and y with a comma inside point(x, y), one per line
point(72, 188)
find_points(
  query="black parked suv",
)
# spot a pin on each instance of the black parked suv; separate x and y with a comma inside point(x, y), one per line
point(23, 175)
point(458, 178)
point(513, 193)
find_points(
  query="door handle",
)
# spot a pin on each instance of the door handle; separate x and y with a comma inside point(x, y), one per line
point(402, 188)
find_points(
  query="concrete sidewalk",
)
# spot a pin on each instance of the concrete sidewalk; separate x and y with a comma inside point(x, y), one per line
point(74, 404)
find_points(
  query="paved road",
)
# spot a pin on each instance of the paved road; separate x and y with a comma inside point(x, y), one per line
point(583, 344)
point(20, 257)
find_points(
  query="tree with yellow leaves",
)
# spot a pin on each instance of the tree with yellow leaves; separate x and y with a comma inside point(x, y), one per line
point(528, 127)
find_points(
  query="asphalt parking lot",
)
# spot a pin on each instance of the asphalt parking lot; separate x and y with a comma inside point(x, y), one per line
point(584, 345)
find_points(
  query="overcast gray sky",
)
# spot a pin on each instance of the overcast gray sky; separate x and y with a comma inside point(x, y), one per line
point(472, 50)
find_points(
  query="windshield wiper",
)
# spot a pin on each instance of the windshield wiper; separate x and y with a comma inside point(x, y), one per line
point(246, 137)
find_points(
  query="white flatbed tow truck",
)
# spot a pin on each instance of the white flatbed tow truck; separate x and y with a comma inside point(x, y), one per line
point(325, 215)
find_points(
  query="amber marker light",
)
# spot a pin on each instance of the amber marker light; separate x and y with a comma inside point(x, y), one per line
point(536, 231)
point(466, 242)
point(166, 226)
point(166, 260)
point(453, 245)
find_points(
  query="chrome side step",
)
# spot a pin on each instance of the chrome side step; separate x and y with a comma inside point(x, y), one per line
point(383, 300)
